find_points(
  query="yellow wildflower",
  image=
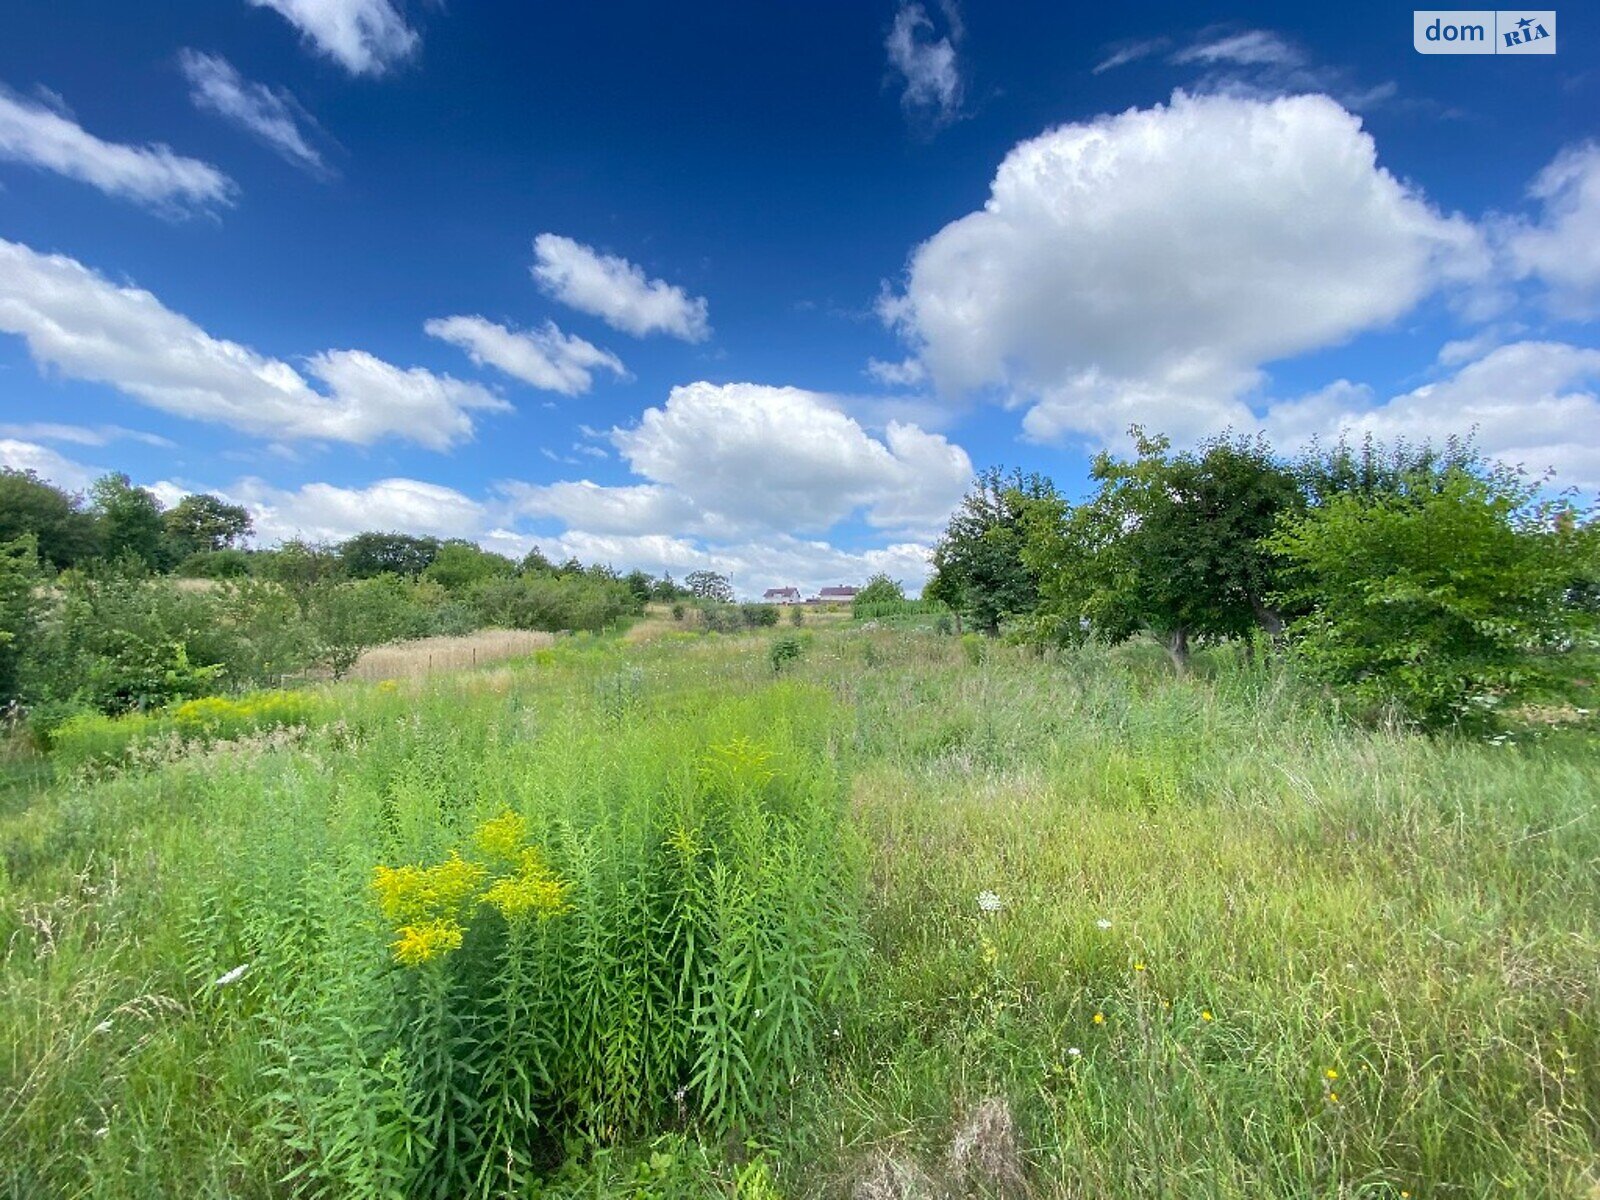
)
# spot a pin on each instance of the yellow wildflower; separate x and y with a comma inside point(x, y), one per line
point(503, 837)
point(532, 891)
point(1333, 1097)
point(1205, 1014)
point(1331, 1073)
point(409, 895)
point(1138, 966)
point(1099, 1018)
point(417, 944)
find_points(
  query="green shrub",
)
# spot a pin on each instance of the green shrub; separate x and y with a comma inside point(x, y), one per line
point(974, 647)
point(1446, 604)
point(785, 650)
point(758, 616)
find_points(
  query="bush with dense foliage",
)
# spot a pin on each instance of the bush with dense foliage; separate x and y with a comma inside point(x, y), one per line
point(1447, 602)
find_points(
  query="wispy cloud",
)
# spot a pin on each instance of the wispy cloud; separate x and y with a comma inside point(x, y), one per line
point(43, 136)
point(271, 114)
point(928, 62)
point(1247, 48)
point(545, 358)
point(1120, 54)
point(365, 37)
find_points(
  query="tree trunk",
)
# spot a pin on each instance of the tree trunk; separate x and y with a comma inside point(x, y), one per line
point(1176, 642)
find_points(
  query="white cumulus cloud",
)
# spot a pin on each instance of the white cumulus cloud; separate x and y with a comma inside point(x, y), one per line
point(271, 114)
point(544, 358)
point(50, 465)
point(1532, 404)
point(365, 37)
point(79, 323)
point(1144, 266)
point(616, 290)
point(153, 175)
point(784, 458)
point(1561, 249)
point(324, 512)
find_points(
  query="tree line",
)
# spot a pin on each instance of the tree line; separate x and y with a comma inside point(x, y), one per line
point(94, 616)
point(1418, 580)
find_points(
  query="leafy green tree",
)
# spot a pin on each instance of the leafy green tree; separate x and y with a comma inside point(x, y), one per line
point(460, 565)
point(66, 534)
point(368, 555)
point(216, 564)
point(640, 584)
point(1446, 599)
point(201, 523)
point(708, 585)
point(349, 618)
point(978, 568)
point(1168, 543)
point(535, 563)
point(302, 568)
point(19, 609)
point(130, 520)
point(880, 589)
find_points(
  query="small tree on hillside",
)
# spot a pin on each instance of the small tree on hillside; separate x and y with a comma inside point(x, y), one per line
point(708, 585)
point(978, 567)
point(880, 589)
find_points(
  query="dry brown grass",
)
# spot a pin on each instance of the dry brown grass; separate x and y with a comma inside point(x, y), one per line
point(427, 656)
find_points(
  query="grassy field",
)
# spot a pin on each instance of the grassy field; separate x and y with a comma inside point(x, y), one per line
point(914, 917)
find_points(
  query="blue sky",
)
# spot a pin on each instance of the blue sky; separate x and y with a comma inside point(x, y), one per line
point(757, 287)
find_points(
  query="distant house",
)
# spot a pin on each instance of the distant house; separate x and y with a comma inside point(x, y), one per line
point(837, 595)
point(783, 595)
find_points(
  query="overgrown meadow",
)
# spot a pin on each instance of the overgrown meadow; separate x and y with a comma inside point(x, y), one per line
point(884, 914)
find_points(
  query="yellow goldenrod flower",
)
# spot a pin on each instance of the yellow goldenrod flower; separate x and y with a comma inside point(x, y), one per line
point(533, 891)
point(503, 837)
point(417, 944)
point(409, 895)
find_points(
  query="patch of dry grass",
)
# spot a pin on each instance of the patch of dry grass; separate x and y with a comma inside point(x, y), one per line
point(426, 656)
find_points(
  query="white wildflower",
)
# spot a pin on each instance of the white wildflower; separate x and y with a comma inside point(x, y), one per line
point(1102, 923)
point(232, 976)
point(104, 1026)
point(1074, 1052)
point(989, 902)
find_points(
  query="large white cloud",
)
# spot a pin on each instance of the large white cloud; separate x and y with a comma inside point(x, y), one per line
point(1144, 266)
point(545, 358)
point(615, 290)
point(1532, 404)
point(786, 458)
point(366, 37)
point(324, 512)
point(270, 114)
point(50, 464)
point(79, 323)
point(153, 175)
point(1561, 248)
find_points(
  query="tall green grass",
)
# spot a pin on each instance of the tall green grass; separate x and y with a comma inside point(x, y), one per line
point(1325, 962)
